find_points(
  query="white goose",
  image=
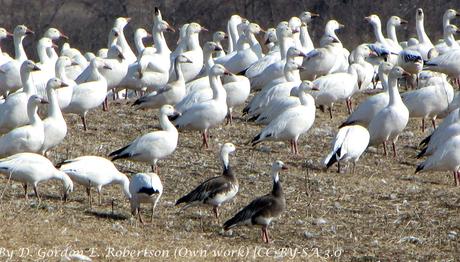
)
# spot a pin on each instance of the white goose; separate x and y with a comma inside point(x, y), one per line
point(449, 40)
point(370, 107)
point(13, 112)
point(210, 113)
point(348, 145)
point(10, 76)
point(64, 95)
point(445, 158)
point(391, 120)
point(291, 123)
point(4, 58)
point(28, 138)
point(89, 95)
point(425, 44)
point(305, 39)
point(31, 169)
point(40, 78)
point(143, 187)
point(336, 87)
point(321, 61)
point(120, 24)
point(387, 43)
point(171, 94)
point(139, 36)
point(152, 146)
point(449, 14)
point(237, 88)
point(94, 171)
point(55, 127)
point(217, 38)
point(54, 34)
point(366, 69)
point(233, 38)
point(392, 23)
point(447, 63)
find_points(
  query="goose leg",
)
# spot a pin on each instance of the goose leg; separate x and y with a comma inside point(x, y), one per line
point(433, 122)
point(353, 169)
point(154, 206)
point(394, 149)
point(25, 191)
point(262, 233)
point(205, 139)
point(296, 147)
point(139, 215)
point(265, 229)
point(338, 167)
point(216, 211)
point(83, 119)
point(88, 192)
point(99, 197)
point(423, 125)
point(330, 112)
point(126, 94)
point(384, 148)
point(37, 195)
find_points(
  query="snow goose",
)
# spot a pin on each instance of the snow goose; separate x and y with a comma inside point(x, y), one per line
point(330, 36)
point(292, 123)
point(244, 58)
point(55, 127)
point(280, 103)
point(28, 138)
point(428, 102)
point(237, 88)
point(64, 95)
point(449, 39)
point(47, 66)
point(210, 113)
point(375, 22)
point(273, 55)
point(143, 187)
point(152, 68)
point(89, 95)
point(412, 62)
point(139, 35)
point(425, 44)
point(120, 23)
point(282, 89)
point(305, 39)
point(348, 145)
point(370, 107)
point(181, 43)
point(10, 78)
point(391, 120)
point(152, 146)
point(445, 158)
point(31, 169)
point(217, 190)
point(262, 210)
point(94, 171)
point(392, 23)
point(4, 58)
point(330, 32)
point(54, 34)
point(13, 112)
point(336, 87)
point(447, 63)
point(217, 38)
point(170, 94)
point(233, 37)
point(449, 14)
point(320, 61)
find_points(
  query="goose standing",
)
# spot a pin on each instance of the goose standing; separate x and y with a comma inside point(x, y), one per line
point(448, 15)
point(447, 63)
point(305, 39)
point(40, 78)
point(89, 95)
point(94, 171)
point(139, 35)
point(348, 145)
point(320, 61)
point(152, 146)
point(217, 38)
point(10, 78)
point(425, 44)
point(54, 34)
point(120, 23)
point(4, 58)
point(170, 94)
point(233, 38)
point(31, 169)
point(370, 107)
point(392, 23)
point(64, 95)
point(262, 210)
point(449, 39)
point(217, 190)
point(143, 187)
point(291, 123)
point(13, 112)
point(445, 158)
point(55, 127)
point(210, 113)
point(391, 120)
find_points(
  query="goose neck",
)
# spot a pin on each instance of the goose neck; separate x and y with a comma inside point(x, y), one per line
point(208, 61)
point(139, 44)
point(160, 42)
point(54, 110)
point(124, 181)
point(27, 83)
point(166, 124)
point(20, 54)
point(395, 98)
point(422, 36)
point(218, 91)
point(391, 32)
point(305, 38)
point(378, 32)
point(32, 113)
point(193, 42)
point(277, 190)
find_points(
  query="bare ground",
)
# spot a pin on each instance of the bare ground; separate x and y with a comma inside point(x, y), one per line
point(381, 212)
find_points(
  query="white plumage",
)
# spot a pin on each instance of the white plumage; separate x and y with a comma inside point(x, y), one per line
point(143, 187)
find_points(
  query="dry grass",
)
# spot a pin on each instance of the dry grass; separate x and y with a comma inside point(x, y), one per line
point(369, 215)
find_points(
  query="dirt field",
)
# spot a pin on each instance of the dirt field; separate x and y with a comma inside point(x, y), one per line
point(382, 212)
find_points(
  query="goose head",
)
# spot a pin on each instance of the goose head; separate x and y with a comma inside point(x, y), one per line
point(293, 52)
point(183, 59)
point(283, 30)
point(397, 21)
point(295, 23)
point(307, 85)
point(102, 53)
point(397, 73)
point(194, 28)
point(365, 51)
point(121, 22)
point(219, 36)
point(99, 63)
point(157, 15)
point(45, 42)
point(219, 70)
point(270, 36)
point(306, 16)
point(241, 27)
point(29, 66)
point(4, 33)
point(452, 29)
point(55, 34)
point(35, 100)
point(291, 65)
point(254, 28)
point(385, 68)
point(227, 148)
point(115, 51)
point(277, 166)
point(210, 47)
point(169, 111)
point(163, 26)
point(450, 14)
point(333, 25)
point(55, 83)
point(63, 62)
point(22, 30)
point(373, 20)
point(419, 14)
point(141, 33)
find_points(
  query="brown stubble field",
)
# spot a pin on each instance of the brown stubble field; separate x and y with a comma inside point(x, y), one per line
point(381, 212)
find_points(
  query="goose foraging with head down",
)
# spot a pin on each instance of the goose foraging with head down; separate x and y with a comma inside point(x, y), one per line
point(94, 171)
point(30, 168)
point(262, 210)
point(143, 187)
point(152, 146)
point(217, 190)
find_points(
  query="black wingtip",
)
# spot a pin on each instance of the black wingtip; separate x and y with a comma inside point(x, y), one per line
point(331, 161)
point(255, 140)
point(425, 141)
point(422, 153)
point(419, 168)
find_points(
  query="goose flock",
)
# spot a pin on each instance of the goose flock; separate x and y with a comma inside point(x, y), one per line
point(280, 83)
